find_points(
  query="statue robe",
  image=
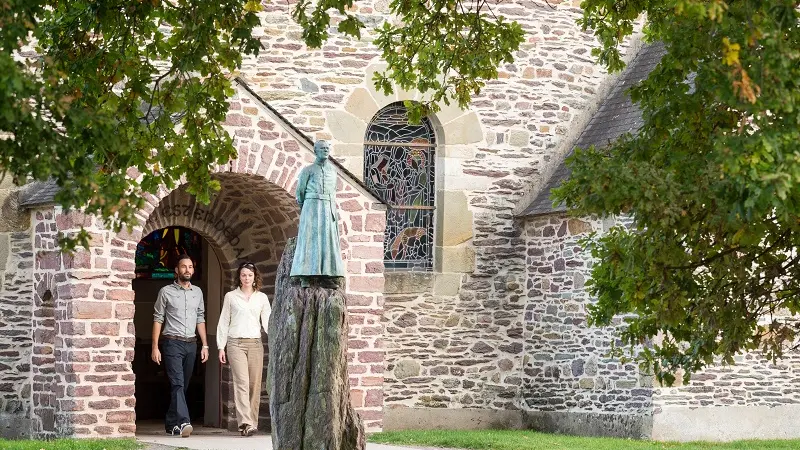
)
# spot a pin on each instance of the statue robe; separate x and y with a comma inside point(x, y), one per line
point(318, 252)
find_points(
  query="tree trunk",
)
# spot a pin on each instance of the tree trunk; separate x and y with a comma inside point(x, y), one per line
point(309, 389)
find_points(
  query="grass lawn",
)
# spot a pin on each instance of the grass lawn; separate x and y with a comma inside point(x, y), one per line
point(71, 444)
point(529, 440)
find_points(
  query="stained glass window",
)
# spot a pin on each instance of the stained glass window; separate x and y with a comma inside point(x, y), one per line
point(399, 165)
point(157, 254)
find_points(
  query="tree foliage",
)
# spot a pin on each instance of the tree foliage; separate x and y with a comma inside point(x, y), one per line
point(114, 98)
point(120, 97)
point(710, 265)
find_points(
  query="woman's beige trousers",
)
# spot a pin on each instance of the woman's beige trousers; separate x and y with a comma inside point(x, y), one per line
point(246, 357)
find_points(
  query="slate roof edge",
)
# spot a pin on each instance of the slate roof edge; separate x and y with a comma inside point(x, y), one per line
point(567, 145)
point(307, 142)
point(38, 193)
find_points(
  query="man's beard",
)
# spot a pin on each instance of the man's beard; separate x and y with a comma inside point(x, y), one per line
point(185, 277)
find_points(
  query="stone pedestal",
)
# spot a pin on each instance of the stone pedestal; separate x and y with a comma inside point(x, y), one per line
point(307, 375)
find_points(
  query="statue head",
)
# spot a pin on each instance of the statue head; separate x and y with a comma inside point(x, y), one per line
point(322, 149)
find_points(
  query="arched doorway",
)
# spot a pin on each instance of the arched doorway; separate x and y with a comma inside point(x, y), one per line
point(156, 255)
point(249, 219)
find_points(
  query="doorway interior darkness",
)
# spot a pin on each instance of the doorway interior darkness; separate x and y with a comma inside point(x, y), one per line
point(155, 259)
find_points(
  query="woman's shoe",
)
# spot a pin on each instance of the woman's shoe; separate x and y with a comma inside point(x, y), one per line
point(249, 431)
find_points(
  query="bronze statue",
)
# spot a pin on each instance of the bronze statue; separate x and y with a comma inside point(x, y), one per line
point(318, 256)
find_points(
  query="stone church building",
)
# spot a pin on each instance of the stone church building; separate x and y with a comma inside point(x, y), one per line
point(465, 284)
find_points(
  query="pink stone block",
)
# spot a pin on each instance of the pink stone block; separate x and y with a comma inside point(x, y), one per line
point(291, 146)
point(365, 283)
point(357, 344)
point(121, 294)
point(376, 222)
point(121, 416)
point(356, 369)
point(238, 120)
point(372, 381)
point(124, 311)
point(79, 260)
point(123, 265)
point(48, 260)
point(82, 309)
point(106, 328)
point(359, 300)
point(374, 267)
point(355, 320)
point(354, 267)
point(351, 206)
point(374, 397)
point(356, 398)
point(371, 252)
point(128, 428)
point(117, 391)
point(370, 356)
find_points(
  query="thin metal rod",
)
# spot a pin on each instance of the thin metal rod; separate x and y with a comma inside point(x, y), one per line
point(399, 144)
point(420, 208)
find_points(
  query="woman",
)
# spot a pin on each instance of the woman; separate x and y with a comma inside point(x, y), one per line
point(245, 312)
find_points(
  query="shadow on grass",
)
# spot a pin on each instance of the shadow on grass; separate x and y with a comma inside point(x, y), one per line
point(530, 440)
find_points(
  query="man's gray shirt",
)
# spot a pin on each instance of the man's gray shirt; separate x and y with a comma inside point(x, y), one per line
point(180, 310)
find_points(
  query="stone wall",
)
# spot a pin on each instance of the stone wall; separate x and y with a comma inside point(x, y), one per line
point(750, 399)
point(570, 386)
point(454, 337)
point(83, 384)
point(752, 381)
point(446, 350)
point(16, 316)
point(566, 367)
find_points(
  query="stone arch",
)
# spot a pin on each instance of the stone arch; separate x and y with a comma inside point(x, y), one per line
point(456, 129)
point(248, 219)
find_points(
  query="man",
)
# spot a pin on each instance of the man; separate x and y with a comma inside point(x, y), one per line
point(179, 310)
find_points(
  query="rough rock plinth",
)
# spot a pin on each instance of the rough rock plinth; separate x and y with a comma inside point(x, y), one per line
point(308, 381)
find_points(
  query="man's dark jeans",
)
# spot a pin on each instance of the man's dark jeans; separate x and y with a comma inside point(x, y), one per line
point(178, 357)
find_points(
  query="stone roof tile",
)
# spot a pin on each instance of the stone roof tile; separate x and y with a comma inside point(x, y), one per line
point(38, 193)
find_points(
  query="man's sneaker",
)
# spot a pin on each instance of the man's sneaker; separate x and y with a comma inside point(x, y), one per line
point(176, 430)
point(186, 429)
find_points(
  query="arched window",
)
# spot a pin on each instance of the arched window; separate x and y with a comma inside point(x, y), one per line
point(399, 163)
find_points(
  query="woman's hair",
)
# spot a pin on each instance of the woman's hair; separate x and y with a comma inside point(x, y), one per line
point(237, 282)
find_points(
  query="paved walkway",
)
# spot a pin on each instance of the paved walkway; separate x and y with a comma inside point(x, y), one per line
point(218, 439)
point(232, 443)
